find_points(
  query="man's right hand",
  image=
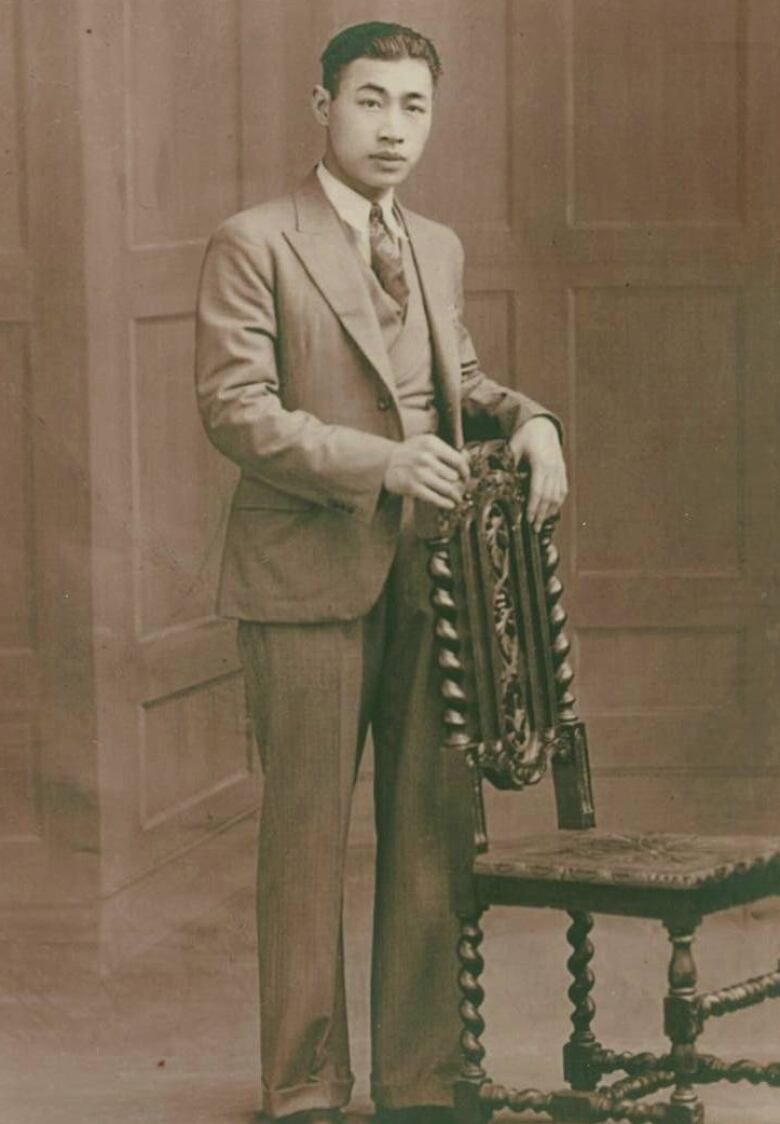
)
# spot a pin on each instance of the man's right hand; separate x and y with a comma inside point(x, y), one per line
point(428, 469)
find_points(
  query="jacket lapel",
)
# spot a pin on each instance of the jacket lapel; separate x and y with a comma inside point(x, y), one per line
point(322, 247)
point(436, 284)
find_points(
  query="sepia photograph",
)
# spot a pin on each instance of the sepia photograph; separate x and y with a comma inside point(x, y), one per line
point(389, 561)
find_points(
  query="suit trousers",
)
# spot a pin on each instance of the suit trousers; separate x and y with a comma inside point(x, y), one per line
point(315, 690)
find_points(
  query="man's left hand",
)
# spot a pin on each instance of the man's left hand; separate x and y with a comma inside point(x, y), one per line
point(537, 441)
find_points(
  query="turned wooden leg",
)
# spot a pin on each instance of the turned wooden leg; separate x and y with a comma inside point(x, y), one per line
point(683, 1024)
point(579, 1051)
point(468, 1106)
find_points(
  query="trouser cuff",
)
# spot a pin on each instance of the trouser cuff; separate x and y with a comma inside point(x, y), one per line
point(431, 1092)
point(304, 1098)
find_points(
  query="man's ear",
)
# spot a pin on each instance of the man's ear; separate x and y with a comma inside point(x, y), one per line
point(320, 104)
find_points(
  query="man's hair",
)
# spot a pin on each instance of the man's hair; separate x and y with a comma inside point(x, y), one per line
point(376, 40)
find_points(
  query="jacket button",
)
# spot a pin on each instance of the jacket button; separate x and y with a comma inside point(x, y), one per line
point(383, 402)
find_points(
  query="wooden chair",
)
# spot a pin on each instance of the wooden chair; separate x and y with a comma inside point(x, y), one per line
point(509, 713)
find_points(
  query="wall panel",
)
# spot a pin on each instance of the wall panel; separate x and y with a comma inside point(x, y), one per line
point(644, 258)
point(657, 375)
point(20, 781)
point(664, 698)
point(465, 178)
point(192, 745)
point(183, 117)
point(19, 763)
point(163, 142)
point(649, 669)
point(13, 221)
point(491, 323)
point(179, 480)
point(646, 78)
point(16, 497)
point(20, 813)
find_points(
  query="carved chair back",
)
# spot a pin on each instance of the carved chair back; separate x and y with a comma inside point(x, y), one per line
point(502, 648)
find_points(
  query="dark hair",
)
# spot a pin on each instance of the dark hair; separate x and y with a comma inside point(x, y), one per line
point(376, 40)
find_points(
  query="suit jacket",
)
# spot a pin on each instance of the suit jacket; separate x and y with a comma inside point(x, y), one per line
point(294, 384)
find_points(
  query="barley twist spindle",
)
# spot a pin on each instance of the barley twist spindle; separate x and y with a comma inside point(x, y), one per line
point(578, 965)
point(564, 675)
point(448, 646)
point(472, 996)
point(711, 1069)
point(517, 1100)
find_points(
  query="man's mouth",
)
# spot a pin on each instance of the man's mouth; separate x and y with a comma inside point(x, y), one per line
point(389, 157)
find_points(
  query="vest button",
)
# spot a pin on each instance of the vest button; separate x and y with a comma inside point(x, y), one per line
point(383, 402)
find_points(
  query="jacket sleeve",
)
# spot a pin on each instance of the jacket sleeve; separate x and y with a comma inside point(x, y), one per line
point(239, 392)
point(482, 396)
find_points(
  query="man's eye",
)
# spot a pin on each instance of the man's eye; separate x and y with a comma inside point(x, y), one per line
point(371, 103)
point(416, 108)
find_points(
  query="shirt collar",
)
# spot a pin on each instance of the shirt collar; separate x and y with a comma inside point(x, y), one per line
point(353, 207)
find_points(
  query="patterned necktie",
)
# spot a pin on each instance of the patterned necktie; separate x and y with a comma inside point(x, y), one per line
point(386, 258)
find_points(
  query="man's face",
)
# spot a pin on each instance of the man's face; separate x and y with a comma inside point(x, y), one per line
point(378, 122)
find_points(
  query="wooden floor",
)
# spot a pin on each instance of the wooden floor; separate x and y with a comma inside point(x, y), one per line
point(172, 1038)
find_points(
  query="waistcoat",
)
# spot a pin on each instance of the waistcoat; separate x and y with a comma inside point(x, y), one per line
point(408, 342)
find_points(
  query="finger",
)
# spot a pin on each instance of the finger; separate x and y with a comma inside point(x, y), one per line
point(421, 492)
point(549, 506)
point(452, 490)
point(534, 499)
point(562, 491)
point(441, 468)
point(551, 499)
point(452, 457)
point(561, 478)
point(545, 510)
point(543, 494)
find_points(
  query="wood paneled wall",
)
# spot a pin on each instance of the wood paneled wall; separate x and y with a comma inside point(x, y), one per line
point(48, 758)
point(613, 171)
point(161, 141)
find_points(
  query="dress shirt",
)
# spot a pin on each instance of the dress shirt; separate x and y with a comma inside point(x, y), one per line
point(354, 209)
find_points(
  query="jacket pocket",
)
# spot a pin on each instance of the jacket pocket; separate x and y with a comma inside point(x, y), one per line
point(253, 493)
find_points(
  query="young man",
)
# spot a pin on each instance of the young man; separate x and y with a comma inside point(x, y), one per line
point(333, 368)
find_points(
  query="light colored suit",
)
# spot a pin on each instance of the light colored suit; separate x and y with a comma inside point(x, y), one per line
point(294, 385)
point(321, 565)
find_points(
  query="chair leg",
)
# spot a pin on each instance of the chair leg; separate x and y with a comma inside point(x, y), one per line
point(683, 1024)
point(579, 1051)
point(469, 1108)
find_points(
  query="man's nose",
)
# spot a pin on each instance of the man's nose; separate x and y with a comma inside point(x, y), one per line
point(392, 126)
